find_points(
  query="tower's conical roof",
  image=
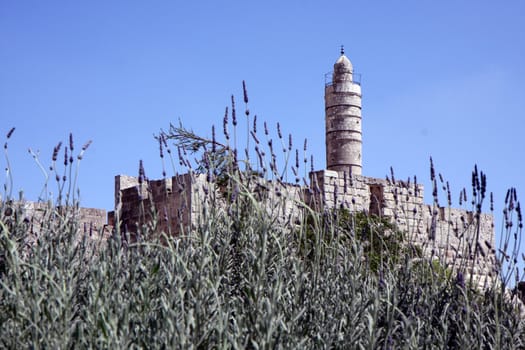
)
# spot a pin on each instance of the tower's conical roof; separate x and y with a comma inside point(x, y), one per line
point(343, 65)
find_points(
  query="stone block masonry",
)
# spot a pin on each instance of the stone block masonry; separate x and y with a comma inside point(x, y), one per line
point(343, 119)
point(166, 205)
point(174, 205)
point(459, 237)
point(39, 215)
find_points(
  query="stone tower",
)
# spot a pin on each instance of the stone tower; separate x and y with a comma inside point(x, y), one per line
point(343, 119)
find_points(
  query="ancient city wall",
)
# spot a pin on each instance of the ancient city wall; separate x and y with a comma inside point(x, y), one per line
point(39, 215)
point(458, 237)
point(168, 205)
point(177, 204)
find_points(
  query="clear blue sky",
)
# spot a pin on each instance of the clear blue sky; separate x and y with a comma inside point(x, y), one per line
point(439, 78)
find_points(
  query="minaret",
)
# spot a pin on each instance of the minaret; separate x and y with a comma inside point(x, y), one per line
point(343, 119)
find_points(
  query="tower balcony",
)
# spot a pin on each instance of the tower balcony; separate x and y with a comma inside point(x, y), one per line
point(356, 78)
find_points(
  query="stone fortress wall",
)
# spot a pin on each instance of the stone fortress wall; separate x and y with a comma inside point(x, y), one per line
point(175, 203)
point(452, 234)
point(92, 221)
point(178, 202)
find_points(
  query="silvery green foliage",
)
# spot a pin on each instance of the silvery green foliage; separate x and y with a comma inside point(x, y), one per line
point(237, 281)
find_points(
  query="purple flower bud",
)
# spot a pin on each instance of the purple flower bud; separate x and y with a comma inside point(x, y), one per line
point(142, 174)
point(71, 142)
point(234, 117)
point(432, 171)
point(10, 133)
point(225, 125)
point(244, 91)
point(86, 145)
point(213, 142)
point(56, 150)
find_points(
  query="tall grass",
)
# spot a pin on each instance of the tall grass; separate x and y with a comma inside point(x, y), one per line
point(242, 277)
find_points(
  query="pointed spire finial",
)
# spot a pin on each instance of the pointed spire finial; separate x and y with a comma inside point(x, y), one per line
point(342, 50)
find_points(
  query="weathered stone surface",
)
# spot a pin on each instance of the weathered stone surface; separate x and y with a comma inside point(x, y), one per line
point(90, 221)
point(449, 233)
point(343, 120)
